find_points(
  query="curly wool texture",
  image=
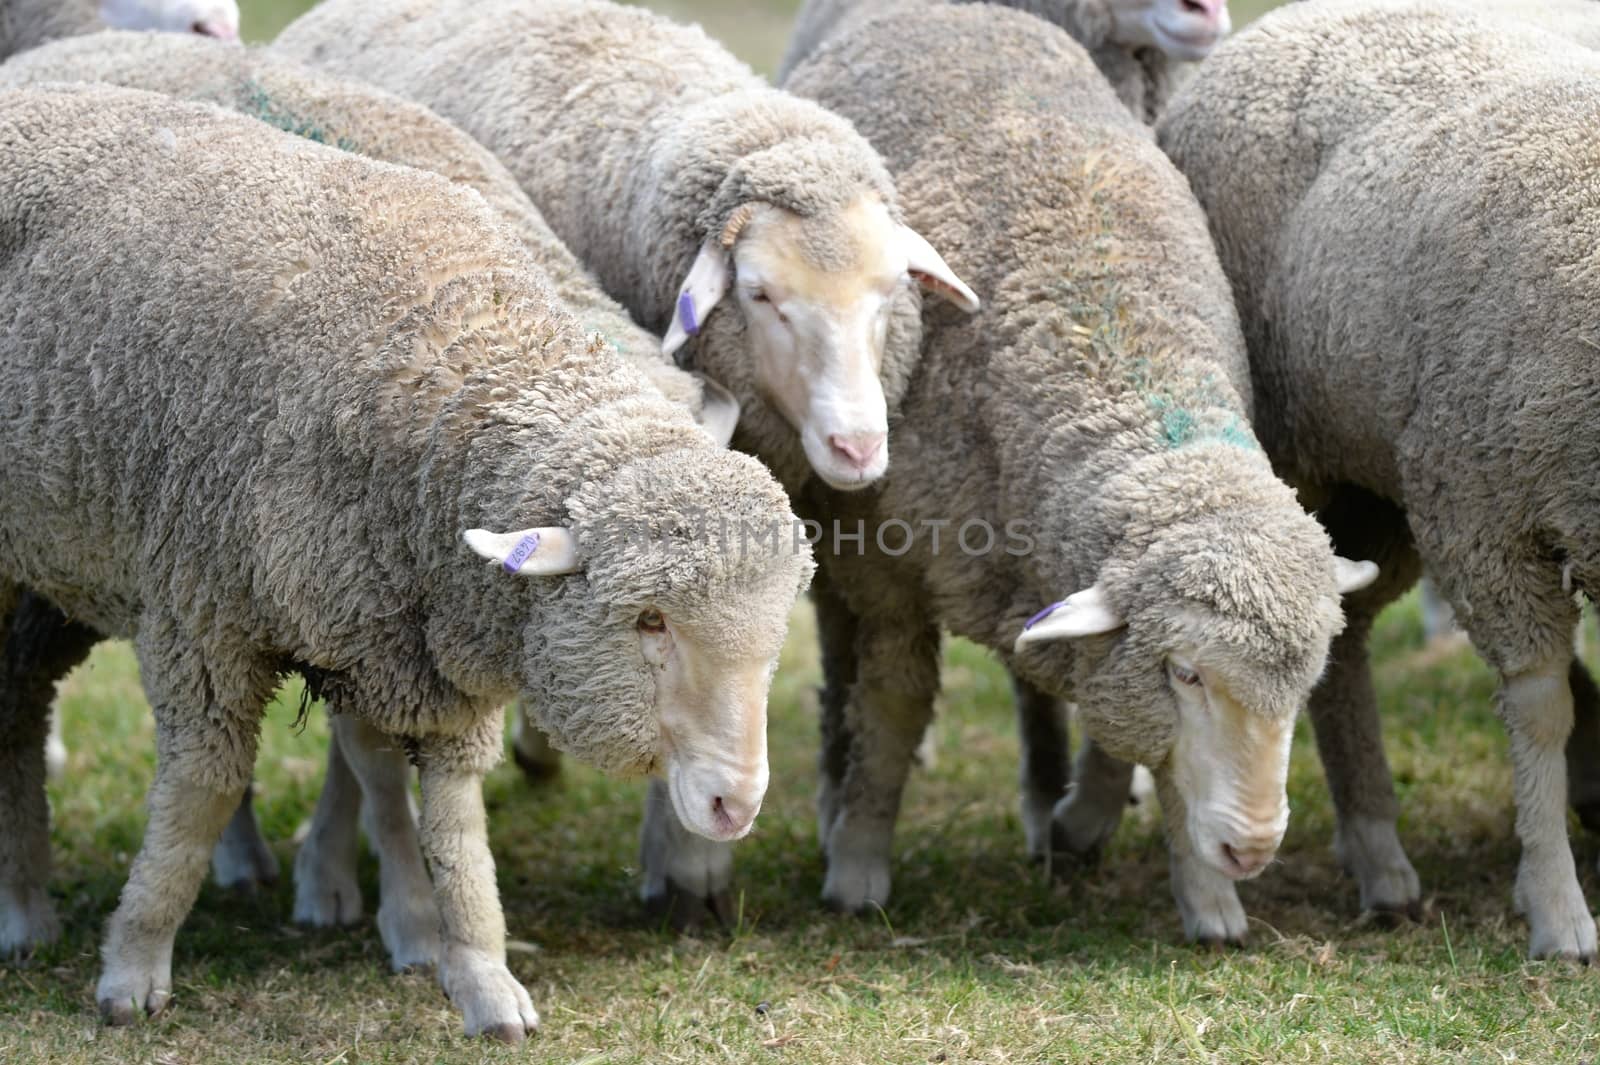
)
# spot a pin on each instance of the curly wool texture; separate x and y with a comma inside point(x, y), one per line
point(26, 24)
point(1142, 76)
point(254, 389)
point(1099, 399)
point(355, 117)
point(638, 138)
point(1404, 196)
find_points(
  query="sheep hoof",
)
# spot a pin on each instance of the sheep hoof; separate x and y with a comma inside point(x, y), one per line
point(1390, 917)
point(1220, 944)
point(506, 1033)
point(27, 923)
point(119, 1010)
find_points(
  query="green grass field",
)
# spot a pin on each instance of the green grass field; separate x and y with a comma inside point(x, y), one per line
point(978, 959)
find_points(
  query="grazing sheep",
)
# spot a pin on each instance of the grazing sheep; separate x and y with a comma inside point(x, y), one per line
point(248, 432)
point(1400, 193)
point(1140, 557)
point(27, 24)
point(1134, 42)
point(374, 123)
point(680, 177)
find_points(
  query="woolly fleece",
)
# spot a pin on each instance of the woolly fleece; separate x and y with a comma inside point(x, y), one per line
point(1403, 195)
point(1103, 394)
point(1143, 77)
point(356, 117)
point(638, 138)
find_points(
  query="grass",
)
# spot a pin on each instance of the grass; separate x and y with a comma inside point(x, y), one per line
point(978, 958)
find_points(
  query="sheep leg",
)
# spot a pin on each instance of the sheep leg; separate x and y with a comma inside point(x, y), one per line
point(1344, 715)
point(1087, 817)
point(408, 918)
point(205, 752)
point(38, 646)
point(1344, 709)
point(531, 749)
point(836, 634)
point(1045, 769)
point(1208, 902)
point(242, 860)
point(327, 891)
point(1583, 748)
point(686, 877)
point(455, 839)
point(1536, 705)
point(889, 709)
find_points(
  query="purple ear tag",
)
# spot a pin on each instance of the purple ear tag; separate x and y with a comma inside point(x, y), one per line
point(686, 316)
point(522, 552)
point(1041, 615)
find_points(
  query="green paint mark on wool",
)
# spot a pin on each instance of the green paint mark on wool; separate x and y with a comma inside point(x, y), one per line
point(258, 103)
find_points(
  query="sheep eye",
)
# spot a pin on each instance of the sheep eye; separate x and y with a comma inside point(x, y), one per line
point(760, 296)
point(1183, 674)
point(652, 621)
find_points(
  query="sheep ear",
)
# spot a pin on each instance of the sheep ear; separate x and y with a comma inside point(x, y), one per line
point(1085, 614)
point(1353, 576)
point(701, 291)
point(719, 411)
point(547, 552)
point(932, 272)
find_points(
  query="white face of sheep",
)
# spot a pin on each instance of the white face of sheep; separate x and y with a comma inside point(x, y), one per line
point(711, 704)
point(1229, 761)
point(816, 336)
point(212, 18)
point(1183, 29)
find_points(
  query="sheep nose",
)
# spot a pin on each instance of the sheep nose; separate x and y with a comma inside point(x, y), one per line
point(858, 449)
point(1247, 859)
point(733, 816)
point(1209, 8)
point(214, 28)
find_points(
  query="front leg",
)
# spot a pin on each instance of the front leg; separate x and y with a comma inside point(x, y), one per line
point(1208, 902)
point(686, 877)
point(455, 840)
point(836, 637)
point(1088, 816)
point(1045, 769)
point(1537, 707)
point(539, 761)
point(889, 710)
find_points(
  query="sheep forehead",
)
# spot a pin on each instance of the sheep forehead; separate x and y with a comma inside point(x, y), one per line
point(831, 259)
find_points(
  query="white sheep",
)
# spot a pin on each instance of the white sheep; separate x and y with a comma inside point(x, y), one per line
point(253, 447)
point(1401, 196)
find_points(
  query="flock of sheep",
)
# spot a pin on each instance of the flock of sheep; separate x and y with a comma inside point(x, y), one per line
point(403, 353)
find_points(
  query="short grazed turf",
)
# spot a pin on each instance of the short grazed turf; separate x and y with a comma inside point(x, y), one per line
point(978, 959)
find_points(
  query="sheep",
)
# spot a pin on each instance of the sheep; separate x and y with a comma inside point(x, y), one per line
point(379, 125)
point(249, 432)
point(1088, 433)
point(672, 176)
point(1432, 400)
point(1135, 43)
point(26, 24)
point(677, 177)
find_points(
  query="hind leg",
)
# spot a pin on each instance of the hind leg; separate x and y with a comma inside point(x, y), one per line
point(531, 749)
point(242, 860)
point(1583, 748)
point(38, 646)
point(1344, 708)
